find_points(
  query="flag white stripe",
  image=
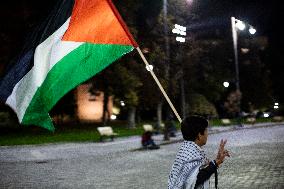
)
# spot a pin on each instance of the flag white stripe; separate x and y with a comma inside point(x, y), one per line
point(47, 54)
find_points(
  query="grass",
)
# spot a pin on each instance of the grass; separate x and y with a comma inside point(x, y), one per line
point(64, 133)
point(22, 135)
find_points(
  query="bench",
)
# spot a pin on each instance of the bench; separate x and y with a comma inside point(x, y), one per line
point(225, 121)
point(251, 120)
point(106, 132)
point(277, 118)
point(148, 127)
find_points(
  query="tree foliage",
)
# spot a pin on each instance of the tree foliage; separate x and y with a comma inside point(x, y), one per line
point(198, 104)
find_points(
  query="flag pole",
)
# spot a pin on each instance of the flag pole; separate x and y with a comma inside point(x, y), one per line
point(159, 84)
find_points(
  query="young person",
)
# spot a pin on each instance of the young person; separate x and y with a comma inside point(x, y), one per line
point(191, 168)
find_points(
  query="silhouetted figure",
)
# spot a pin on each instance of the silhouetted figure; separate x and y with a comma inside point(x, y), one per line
point(148, 142)
point(170, 127)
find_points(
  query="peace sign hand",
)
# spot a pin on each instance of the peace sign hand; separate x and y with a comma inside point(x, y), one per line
point(222, 153)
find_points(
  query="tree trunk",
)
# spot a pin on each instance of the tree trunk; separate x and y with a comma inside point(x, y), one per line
point(182, 97)
point(105, 108)
point(166, 127)
point(159, 115)
point(131, 117)
point(138, 116)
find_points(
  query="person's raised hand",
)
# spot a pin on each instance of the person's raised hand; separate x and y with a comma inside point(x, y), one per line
point(222, 153)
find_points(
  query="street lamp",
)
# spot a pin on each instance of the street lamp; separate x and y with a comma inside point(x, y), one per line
point(276, 105)
point(252, 30)
point(165, 23)
point(226, 84)
point(166, 66)
point(181, 34)
point(180, 30)
point(238, 24)
point(122, 103)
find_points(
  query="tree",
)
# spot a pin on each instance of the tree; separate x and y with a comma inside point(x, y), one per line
point(66, 106)
point(198, 104)
point(150, 27)
point(255, 82)
point(128, 88)
point(232, 105)
point(206, 65)
point(118, 80)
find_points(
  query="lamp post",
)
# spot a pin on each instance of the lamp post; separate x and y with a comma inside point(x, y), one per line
point(165, 12)
point(166, 67)
point(234, 34)
point(238, 24)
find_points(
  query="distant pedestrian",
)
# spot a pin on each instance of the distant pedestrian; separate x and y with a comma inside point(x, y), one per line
point(191, 168)
point(170, 128)
point(147, 141)
point(170, 125)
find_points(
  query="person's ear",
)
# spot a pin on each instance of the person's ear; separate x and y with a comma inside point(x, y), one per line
point(198, 136)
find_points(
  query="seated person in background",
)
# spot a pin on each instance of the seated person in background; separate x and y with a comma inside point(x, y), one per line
point(171, 127)
point(147, 141)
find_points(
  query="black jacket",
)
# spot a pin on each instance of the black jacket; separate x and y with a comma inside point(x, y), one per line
point(206, 172)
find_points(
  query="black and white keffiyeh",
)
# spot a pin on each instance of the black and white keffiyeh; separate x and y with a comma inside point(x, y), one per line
point(189, 159)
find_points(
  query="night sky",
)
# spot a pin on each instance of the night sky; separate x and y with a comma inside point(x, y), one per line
point(268, 18)
point(265, 16)
point(17, 19)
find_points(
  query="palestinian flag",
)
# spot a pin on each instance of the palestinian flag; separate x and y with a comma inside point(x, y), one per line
point(79, 39)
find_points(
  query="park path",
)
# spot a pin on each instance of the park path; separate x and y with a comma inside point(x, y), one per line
point(257, 161)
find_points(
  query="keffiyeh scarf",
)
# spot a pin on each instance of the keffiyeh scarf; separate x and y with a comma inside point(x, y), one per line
point(189, 159)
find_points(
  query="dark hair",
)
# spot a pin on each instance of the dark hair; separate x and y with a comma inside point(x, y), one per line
point(192, 125)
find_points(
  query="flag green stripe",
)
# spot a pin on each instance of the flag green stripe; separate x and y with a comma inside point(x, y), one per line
point(73, 69)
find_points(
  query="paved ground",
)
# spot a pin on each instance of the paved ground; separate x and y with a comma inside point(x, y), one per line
point(256, 162)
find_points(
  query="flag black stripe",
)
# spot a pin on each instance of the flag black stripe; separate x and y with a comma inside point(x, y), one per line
point(61, 12)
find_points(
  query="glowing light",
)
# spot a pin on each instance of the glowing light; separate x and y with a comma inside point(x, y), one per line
point(244, 50)
point(276, 103)
point(175, 30)
point(115, 110)
point(113, 117)
point(122, 103)
point(226, 84)
point(89, 110)
point(182, 33)
point(180, 28)
point(276, 107)
point(189, 1)
point(240, 25)
point(180, 39)
point(252, 30)
point(265, 115)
